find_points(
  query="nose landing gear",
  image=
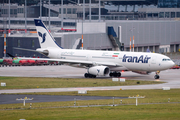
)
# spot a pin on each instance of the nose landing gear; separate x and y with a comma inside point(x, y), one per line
point(157, 75)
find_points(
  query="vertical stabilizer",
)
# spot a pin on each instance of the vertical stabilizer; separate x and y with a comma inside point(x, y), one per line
point(44, 36)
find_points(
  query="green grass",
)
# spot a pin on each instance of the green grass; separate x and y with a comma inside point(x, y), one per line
point(44, 110)
point(129, 112)
point(28, 83)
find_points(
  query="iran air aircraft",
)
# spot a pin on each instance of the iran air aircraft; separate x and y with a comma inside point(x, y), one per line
point(100, 63)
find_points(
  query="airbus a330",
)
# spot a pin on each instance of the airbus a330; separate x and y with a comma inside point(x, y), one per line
point(100, 63)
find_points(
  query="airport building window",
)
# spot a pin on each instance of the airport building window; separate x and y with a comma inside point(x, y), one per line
point(20, 10)
point(178, 14)
point(60, 10)
point(4, 11)
point(155, 15)
point(30, 11)
point(15, 11)
point(149, 15)
point(74, 11)
point(161, 15)
point(172, 14)
point(64, 10)
point(11, 11)
point(19, 43)
point(32, 43)
point(68, 10)
point(166, 14)
point(168, 3)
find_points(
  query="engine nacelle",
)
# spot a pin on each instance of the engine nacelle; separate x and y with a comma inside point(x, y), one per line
point(99, 70)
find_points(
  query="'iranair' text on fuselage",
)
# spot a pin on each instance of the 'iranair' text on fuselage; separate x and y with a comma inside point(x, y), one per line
point(136, 59)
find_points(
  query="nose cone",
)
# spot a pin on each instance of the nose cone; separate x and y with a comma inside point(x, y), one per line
point(167, 64)
point(172, 64)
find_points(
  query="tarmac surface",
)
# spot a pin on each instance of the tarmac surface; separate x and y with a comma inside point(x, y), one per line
point(11, 99)
point(170, 76)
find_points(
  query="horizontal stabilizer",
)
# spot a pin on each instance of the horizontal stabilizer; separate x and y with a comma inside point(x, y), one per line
point(24, 49)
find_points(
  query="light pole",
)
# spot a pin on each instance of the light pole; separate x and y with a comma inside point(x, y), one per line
point(62, 14)
point(49, 16)
point(25, 17)
point(24, 100)
point(9, 31)
point(137, 96)
point(40, 9)
point(90, 10)
point(133, 28)
point(99, 10)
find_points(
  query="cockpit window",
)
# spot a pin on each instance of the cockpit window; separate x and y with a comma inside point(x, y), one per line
point(166, 59)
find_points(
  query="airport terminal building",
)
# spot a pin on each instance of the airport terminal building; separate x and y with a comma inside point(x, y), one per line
point(149, 24)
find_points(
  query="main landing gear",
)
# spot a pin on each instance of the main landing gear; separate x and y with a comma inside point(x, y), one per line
point(87, 75)
point(115, 74)
point(157, 75)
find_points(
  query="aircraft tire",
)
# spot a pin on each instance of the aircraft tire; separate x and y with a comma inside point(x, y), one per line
point(86, 75)
point(115, 74)
point(111, 74)
point(119, 74)
point(156, 77)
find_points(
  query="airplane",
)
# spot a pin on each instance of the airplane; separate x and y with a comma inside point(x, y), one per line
point(100, 63)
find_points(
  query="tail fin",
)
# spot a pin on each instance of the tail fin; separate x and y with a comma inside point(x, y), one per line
point(44, 36)
point(148, 50)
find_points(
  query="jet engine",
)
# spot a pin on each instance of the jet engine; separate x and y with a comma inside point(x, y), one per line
point(99, 70)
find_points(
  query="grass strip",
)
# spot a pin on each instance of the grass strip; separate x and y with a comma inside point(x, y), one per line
point(45, 110)
point(141, 112)
point(33, 82)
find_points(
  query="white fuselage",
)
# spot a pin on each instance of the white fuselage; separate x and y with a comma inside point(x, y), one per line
point(133, 61)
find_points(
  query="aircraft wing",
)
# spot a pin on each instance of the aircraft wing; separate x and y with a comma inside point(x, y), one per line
point(86, 63)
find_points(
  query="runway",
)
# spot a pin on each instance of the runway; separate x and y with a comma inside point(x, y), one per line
point(11, 99)
point(171, 77)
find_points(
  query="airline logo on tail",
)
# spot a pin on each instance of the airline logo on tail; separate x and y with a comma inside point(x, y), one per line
point(43, 36)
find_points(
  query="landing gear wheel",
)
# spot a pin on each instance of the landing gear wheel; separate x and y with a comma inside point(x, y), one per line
point(87, 75)
point(115, 74)
point(110, 74)
point(119, 74)
point(156, 77)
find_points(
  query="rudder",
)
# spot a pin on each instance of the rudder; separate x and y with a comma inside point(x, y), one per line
point(44, 36)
